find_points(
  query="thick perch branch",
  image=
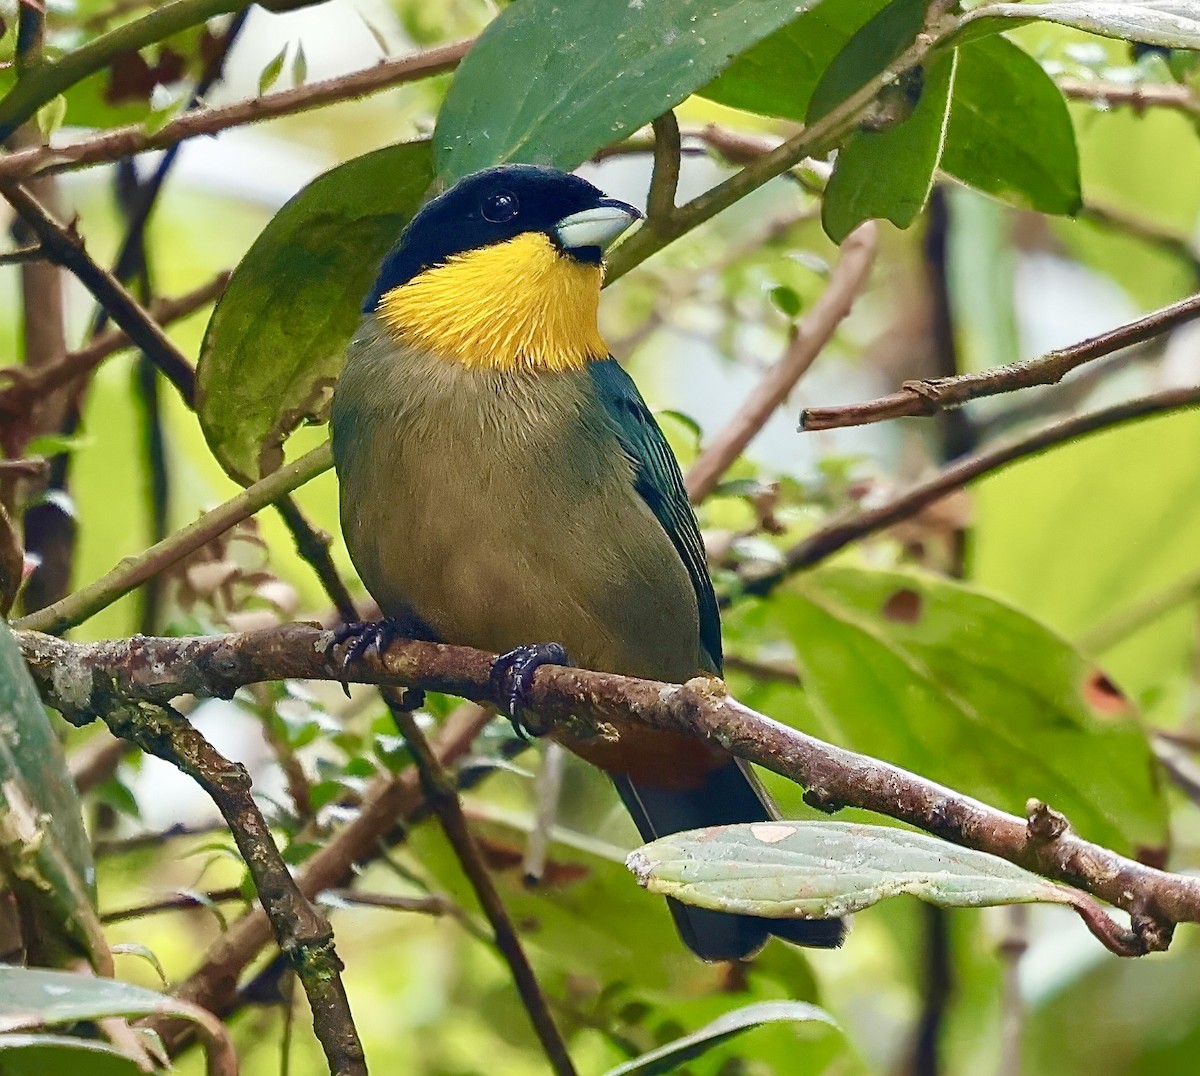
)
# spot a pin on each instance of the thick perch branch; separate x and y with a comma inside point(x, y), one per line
point(83, 678)
point(937, 394)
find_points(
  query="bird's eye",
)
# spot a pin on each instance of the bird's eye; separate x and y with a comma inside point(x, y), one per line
point(500, 207)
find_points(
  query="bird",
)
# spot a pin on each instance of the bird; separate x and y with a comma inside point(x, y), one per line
point(504, 486)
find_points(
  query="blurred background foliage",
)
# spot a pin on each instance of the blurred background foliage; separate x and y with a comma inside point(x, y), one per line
point(1082, 559)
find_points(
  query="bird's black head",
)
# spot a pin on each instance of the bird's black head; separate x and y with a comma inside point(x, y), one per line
point(500, 204)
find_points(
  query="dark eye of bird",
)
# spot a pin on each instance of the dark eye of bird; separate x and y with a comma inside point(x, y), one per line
point(500, 207)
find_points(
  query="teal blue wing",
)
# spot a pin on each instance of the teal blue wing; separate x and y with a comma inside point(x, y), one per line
point(659, 483)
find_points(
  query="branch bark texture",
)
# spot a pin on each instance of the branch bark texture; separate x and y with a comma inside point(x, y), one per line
point(83, 678)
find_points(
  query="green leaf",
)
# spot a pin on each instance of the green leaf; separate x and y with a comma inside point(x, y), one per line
point(274, 344)
point(299, 66)
point(33, 998)
point(818, 870)
point(967, 691)
point(51, 115)
point(1170, 23)
point(550, 83)
point(270, 74)
point(37, 1055)
point(777, 77)
point(45, 857)
point(889, 174)
point(669, 1057)
point(1010, 133)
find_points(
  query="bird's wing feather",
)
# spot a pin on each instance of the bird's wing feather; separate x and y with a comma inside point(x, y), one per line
point(659, 483)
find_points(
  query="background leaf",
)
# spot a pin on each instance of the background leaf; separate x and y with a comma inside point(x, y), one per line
point(889, 174)
point(669, 1057)
point(1169, 23)
point(36, 1055)
point(45, 857)
point(550, 83)
point(965, 690)
point(1010, 133)
point(274, 345)
point(824, 869)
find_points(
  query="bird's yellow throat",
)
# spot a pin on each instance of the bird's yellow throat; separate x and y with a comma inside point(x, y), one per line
point(516, 305)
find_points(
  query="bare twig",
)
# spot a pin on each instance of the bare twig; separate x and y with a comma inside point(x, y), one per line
point(664, 180)
point(28, 386)
point(174, 903)
point(124, 141)
point(81, 678)
point(313, 546)
point(931, 396)
point(1139, 97)
point(840, 533)
point(846, 283)
point(23, 254)
point(66, 249)
point(442, 796)
point(302, 932)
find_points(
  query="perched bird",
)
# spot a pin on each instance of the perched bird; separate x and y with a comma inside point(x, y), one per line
point(504, 486)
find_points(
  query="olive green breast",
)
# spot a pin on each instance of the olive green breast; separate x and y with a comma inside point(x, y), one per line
point(499, 507)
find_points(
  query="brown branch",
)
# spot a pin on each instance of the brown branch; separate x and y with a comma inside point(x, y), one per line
point(810, 336)
point(83, 677)
point(26, 387)
point(841, 533)
point(442, 796)
point(23, 254)
point(174, 903)
point(126, 141)
point(301, 931)
point(664, 180)
point(65, 248)
point(1175, 97)
point(936, 394)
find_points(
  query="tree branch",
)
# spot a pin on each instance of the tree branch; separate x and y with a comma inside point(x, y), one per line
point(135, 570)
point(125, 141)
point(664, 180)
point(1139, 97)
point(302, 932)
point(937, 394)
point(66, 249)
point(847, 281)
point(841, 533)
point(442, 796)
point(81, 678)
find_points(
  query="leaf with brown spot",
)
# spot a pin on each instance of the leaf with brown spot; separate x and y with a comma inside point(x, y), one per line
point(1103, 696)
point(903, 606)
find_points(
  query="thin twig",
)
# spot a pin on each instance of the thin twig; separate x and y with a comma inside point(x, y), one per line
point(174, 903)
point(664, 180)
point(124, 141)
point(936, 394)
point(67, 250)
point(841, 533)
point(83, 678)
point(133, 571)
point(810, 336)
point(21, 255)
point(1139, 97)
point(301, 931)
point(28, 387)
point(1126, 622)
point(313, 546)
point(442, 796)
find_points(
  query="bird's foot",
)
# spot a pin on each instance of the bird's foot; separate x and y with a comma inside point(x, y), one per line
point(362, 636)
point(512, 677)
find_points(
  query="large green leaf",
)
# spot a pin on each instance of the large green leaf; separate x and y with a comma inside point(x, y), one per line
point(1010, 133)
point(823, 869)
point(777, 77)
point(37, 1055)
point(669, 1057)
point(888, 174)
point(959, 687)
point(33, 998)
point(550, 83)
point(45, 857)
point(1170, 23)
point(274, 345)
point(885, 173)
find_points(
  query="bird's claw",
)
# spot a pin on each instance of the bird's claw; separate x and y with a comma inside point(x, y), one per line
point(512, 677)
point(362, 636)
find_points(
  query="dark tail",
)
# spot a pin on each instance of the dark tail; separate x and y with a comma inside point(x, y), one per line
point(729, 795)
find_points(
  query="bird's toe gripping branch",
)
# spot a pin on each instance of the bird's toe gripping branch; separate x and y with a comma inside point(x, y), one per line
point(362, 636)
point(512, 678)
